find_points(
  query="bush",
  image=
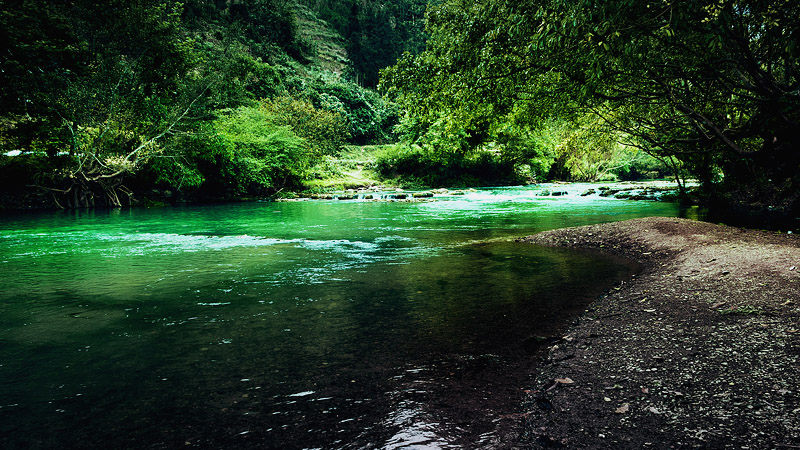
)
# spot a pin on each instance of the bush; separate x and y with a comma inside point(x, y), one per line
point(257, 154)
point(640, 166)
point(324, 132)
point(370, 118)
point(244, 152)
point(412, 164)
point(23, 175)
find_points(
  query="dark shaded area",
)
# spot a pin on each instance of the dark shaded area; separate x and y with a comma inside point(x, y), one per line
point(438, 351)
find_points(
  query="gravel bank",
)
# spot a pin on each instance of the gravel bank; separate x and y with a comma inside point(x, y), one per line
point(700, 350)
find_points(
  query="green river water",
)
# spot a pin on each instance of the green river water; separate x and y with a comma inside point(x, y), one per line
point(302, 325)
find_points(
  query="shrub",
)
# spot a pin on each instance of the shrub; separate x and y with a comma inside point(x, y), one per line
point(369, 117)
point(324, 132)
point(258, 155)
point(412, 164)
point(638, 165)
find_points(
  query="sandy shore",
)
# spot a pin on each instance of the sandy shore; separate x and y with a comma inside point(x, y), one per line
point(700, 350)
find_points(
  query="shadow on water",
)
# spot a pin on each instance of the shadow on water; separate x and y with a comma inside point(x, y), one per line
point(287, 326)
point(394, 356)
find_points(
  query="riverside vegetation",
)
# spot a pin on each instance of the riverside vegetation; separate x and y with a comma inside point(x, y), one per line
point(107, 103)
point(161, 101)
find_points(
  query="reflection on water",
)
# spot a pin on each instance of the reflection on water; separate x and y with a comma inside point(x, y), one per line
point(301, 325)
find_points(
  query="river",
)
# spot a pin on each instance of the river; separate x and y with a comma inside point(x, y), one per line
point(299, 325)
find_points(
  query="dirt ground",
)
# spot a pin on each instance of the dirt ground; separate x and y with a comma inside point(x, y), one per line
point(700, 350)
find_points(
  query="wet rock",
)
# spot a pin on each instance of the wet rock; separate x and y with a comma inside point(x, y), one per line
point(548, 442)
point(544, 404)
point(588, 192)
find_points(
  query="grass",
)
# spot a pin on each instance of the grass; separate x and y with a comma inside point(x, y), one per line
point(350, 170)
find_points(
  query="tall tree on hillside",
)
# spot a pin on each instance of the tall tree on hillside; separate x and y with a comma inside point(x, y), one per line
point(377, 32)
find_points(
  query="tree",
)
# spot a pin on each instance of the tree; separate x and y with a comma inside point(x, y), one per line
point(713, 84)
point(376, 32)
point(324, 132)
point(95, 86)
point(256, 155)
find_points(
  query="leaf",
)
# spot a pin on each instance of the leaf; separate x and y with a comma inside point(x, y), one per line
point(564, 381)
point(623, 409)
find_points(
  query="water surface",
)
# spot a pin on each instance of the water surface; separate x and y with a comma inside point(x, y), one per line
point(325, 324)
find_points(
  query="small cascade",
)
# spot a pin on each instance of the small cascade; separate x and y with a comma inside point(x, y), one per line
point(378, 196)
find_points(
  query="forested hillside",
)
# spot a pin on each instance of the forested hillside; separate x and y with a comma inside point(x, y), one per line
point(107, 102)
point(376, 32)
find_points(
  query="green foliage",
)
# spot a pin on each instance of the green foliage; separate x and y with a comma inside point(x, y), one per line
point(103, 86)
point(256, 155)
point(17, 172)
point(377, 32)
point(266, 27)
point(173, 171)
point(634, 164)
point(324, 132)
point(585, 149)
point(210, 98)
point(413, 165)
point(707, 86)
point(369, 117)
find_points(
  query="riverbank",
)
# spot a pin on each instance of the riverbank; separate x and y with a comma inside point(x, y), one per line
point(700, 350)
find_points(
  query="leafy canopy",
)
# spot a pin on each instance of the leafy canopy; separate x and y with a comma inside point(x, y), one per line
point(713, 83)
